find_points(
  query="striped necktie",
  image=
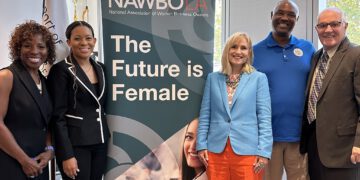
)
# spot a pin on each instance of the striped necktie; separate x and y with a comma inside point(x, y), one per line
point(314, 94)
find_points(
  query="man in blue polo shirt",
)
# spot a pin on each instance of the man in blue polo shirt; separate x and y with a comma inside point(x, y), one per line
point(286, 62)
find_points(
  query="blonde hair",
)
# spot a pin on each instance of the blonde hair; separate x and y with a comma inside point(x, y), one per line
point(232, 40)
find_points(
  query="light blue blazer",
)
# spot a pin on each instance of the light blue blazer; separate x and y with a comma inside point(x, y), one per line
point(247, 123)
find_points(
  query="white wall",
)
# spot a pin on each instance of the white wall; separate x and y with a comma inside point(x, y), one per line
point(12, 13)
point(18, 11)
point(254, 18)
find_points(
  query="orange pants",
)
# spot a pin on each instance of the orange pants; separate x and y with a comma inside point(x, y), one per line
point(228, 165)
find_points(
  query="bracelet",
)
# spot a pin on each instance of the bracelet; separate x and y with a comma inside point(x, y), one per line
point(49, 148)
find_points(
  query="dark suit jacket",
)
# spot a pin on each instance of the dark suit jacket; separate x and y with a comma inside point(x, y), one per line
point(27, 118)
point(79, 116)
point(338, 108)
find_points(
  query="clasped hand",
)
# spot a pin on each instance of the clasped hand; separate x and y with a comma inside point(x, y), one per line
point(33, 167)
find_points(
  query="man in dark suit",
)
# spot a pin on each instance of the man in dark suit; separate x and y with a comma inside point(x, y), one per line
point(331, 129)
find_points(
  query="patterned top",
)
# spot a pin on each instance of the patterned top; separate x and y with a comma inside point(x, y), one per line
point(232, 82)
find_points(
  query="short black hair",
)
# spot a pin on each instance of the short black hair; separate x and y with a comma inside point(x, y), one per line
point(75, 24)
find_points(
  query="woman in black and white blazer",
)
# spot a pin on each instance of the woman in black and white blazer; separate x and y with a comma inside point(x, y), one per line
point(77, 87)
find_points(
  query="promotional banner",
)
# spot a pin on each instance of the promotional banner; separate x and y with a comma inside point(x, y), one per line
point(157, 54)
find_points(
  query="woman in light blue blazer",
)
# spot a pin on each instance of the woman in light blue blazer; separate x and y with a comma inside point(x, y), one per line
point(234, 137)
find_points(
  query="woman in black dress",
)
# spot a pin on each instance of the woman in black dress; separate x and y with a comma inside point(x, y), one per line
point(25, 107)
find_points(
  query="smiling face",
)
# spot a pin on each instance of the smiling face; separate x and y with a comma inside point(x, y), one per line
point(239, 54)
point(284, 18)
point(81, 42)
point(190, 152)
point(331, 37)
point(33, 52)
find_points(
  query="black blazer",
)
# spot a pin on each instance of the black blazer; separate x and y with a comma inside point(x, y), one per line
point(79, 116)
point(27, 118)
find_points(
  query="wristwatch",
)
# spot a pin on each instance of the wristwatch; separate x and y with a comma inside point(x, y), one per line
point(49, 148)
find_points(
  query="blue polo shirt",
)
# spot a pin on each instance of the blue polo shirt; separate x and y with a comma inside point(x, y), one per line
point(287, 70)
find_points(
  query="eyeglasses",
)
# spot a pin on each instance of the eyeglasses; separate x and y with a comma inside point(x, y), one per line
point(333, 25)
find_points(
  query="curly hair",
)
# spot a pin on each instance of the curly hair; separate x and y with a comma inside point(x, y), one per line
point(25, 32)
